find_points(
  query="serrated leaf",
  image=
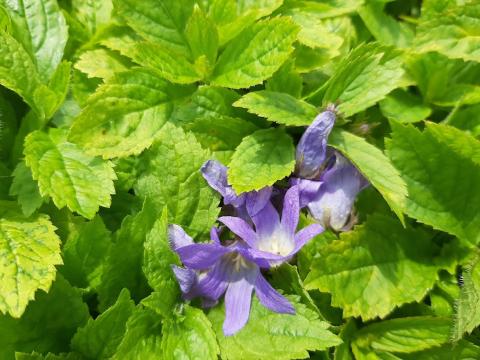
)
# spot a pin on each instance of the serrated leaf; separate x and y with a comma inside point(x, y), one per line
point(123, 268)
point(91, 14)
point(29, 250)
point(362, 78)
point(370, 270)
point(466, 118)
point(261, 159)
point(68, 175)
point(287, 336)
point(26, 189)
point(143, 338)
point(403, 106)
point(40, 27)
point(46, 324)
point(453, 32)
point(278, 107)
point(255, 54)
point(189, 336)
point(157, 260)
point(326, 8)
point(124, 115)
point(170, 177)
point(404, 335)
point(164, 23)
point(286, 80)
point(99, 338)
point(463, 350)
point(84, 253)
point(467, 314)
point(375, 166)
point(440, 179)
point(101, 63)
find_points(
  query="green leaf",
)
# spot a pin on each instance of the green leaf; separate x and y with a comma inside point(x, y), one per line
point(461, 350)
point(124, 115)
point(40, 27)
point(170, 176)
point(101, 63)
point(404, 335)
point(189, 336)
point(362, 78)
point(91, 14)
point(29, 250)
point(287, 336)
point(466, 118)
point(467, 314)
point(123, 267)
point(278, 107)
point(157, 261)
point(385, 28)
point(261, 159)
point(286, 80)
point(202, 37)
point(255, 54)
point(164, 23)
point(326, 8)
point(375, 166)
point(99, 338)
point(84, 253)
point(68, 175)
point(453, 32)
point(46, 326)
point(369, 276)
point(143, 338)
point(403, 106)
point(17, 71)
point(439, 178)
point(26, 189)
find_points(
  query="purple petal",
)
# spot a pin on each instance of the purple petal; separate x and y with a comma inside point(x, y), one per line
point(214, 235)
point(291, 211)
point(214, 284)
point(237, 301)
point(256, 200)
point(266, 221)
point(334, 203)
point(271, 298)
point(240, 228)
point(307, 189)
point(216, 175)
point(312, 146)
point(263, 259)
point(177, 237)
point(186, 278)
point(306, 234)
point(201, 256)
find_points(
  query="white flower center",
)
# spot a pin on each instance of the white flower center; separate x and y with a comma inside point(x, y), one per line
point(278, 243)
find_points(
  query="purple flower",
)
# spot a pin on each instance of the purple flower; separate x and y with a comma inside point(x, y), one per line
point(330, 200)
point(215, 173)
point(312, 147)
point(273, 241)
point(212, 269)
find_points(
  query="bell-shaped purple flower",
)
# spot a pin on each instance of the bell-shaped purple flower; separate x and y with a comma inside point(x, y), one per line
point(212, 269)
point(312, 147)
point(274, 240)
point(332, 204)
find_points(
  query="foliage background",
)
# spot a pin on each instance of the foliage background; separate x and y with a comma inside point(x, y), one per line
point(108, 109)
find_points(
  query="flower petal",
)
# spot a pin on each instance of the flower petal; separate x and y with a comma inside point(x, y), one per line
point(307, 189)
point(177, 237)
point(215, 282)
point(271, 298)
point(266, 221)
point(214, 235)
point(201, 256)
point(216, 175)
point(263, 259)
point(291, 211)
point(186, 278)
point(336, 197)
point(312, 146)
point(237, 302)
point(240, 228)
point(256, 200)
point(306, 234)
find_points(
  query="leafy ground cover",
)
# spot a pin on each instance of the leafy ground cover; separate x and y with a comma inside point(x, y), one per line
point(158, 154)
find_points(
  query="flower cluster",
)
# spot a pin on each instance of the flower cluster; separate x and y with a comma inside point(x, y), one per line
point(264, 237)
